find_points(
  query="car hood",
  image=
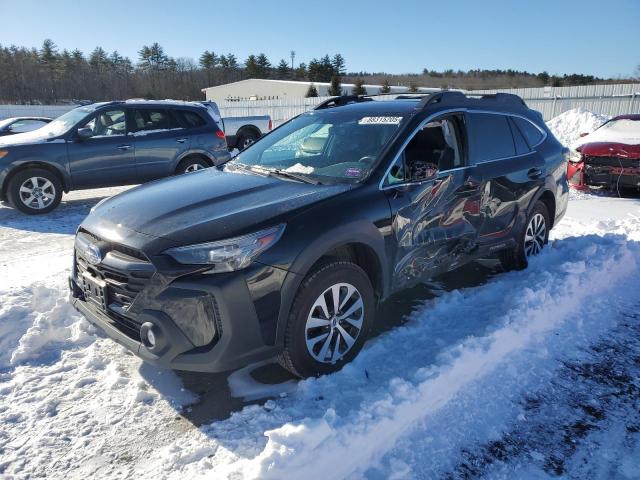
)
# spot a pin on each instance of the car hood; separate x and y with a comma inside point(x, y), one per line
point(610, 149)
point(206, 205)
point(28, 138)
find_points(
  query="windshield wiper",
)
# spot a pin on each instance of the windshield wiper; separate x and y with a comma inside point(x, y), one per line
point(294, 176)
point(275, 172)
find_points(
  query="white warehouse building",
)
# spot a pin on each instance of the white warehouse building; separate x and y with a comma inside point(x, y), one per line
point(263, 89)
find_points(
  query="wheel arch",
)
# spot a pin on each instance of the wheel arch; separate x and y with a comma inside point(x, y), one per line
point(201, 154)
point(359, 242)
point(246, 129)
point(34, 164)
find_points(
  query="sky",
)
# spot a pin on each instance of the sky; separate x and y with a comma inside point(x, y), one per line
point(560, 36)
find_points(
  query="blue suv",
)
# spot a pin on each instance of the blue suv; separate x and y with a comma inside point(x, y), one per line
point(107, 144)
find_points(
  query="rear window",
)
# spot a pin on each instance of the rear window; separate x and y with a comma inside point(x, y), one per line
point(489, 137)
point(147, 120)
point(190, 119)
point(530, 132)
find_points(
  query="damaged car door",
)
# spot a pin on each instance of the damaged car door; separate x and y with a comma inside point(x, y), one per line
point(434, 197)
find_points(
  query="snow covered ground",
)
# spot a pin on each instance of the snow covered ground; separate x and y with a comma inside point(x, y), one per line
point(532, 374)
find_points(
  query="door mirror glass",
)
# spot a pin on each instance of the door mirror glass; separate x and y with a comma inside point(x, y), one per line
point(85, 133)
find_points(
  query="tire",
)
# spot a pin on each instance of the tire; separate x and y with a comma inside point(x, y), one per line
point(245, 139)
point(531, 239)
point(34, 191)
point(191, 164)
point(340, 276)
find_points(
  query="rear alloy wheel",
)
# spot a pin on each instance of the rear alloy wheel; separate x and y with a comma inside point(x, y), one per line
point(189, 165)
point(535, 236)
point(329, 320)
point(531, 241)
point(35, 191)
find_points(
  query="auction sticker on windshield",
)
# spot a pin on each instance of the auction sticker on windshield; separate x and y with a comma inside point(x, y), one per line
point(379, 121)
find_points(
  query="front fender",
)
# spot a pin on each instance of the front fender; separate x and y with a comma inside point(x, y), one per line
point(361, 232)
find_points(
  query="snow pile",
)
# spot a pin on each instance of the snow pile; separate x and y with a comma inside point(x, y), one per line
point(568, 126)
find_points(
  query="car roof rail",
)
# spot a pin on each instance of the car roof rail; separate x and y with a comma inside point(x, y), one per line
point(470, 99)
point(342, 100)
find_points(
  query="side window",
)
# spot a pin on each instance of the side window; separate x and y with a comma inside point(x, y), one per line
point(518, 139)
point(152, 120)
point(436, 147)
point(22, 126)
point(108, 123)
point(189, 119)
point(489, 137)
point(532, 134)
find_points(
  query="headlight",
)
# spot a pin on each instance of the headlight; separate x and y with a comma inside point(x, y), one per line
point(228, 255)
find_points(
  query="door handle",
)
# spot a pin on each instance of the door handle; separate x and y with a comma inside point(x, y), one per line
point(124, 147)
point(534, 173)
point(181, 140)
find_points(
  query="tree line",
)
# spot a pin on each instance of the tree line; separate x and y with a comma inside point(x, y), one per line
point(50, 75)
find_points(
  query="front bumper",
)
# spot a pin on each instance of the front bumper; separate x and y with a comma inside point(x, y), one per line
point(237, 341)
point(612, 172)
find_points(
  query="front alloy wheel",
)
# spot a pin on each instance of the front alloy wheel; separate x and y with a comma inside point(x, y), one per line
point(37, 193)
point(329, 319)
point(334, 323)
point(34, 191)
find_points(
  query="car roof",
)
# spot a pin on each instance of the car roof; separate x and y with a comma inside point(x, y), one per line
point(377, 107)
point(151, 103)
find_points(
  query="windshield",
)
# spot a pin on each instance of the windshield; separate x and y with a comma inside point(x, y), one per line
point(328, 146)
point(63, 123)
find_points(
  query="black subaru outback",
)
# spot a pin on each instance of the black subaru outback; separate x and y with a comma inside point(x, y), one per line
point(287, 249)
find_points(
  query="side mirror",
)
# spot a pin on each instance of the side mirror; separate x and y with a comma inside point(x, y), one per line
point(421, 171)
point(84, 133)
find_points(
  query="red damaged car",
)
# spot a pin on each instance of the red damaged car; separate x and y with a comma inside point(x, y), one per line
point(609, 156)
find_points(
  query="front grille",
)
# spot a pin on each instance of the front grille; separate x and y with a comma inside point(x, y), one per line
point(123, 273)
point(612, 162)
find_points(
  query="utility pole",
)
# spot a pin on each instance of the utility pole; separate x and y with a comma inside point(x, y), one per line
point(293, 56)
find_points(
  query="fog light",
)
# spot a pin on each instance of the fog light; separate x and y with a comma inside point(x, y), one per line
point(149, 335)
point(151, 338)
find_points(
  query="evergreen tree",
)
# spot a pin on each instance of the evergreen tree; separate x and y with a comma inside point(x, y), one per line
point(98, 59)
point(153, 58)
point(264, 65)
point(301, 72)
point(339, 66)
point(208, 60)
point(49, 53)
point(284, 72)
point(251, 67)
point(386, 88)
point(335, 89)
point(312, 91)
point(358, 87)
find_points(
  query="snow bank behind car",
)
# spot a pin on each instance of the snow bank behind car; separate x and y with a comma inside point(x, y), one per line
point(568, 126)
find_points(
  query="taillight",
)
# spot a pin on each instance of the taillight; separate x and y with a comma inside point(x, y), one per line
point(270, 125)
point(220, 134)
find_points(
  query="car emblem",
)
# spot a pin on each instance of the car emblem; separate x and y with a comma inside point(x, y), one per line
point(93, 254)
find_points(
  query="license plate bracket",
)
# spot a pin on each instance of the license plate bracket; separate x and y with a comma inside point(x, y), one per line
point(95, 290)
